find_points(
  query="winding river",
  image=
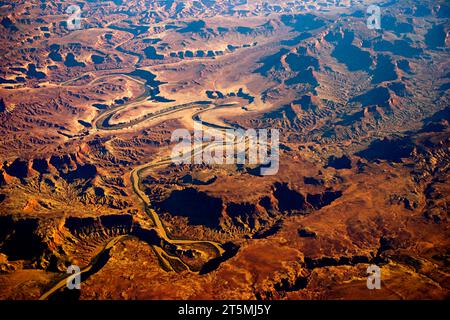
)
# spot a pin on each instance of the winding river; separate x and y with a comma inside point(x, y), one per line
point(102, 123)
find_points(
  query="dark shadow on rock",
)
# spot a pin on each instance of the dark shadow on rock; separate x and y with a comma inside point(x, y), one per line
point(230, 251)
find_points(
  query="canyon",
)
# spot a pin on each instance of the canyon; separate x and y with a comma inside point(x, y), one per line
point(87, 179)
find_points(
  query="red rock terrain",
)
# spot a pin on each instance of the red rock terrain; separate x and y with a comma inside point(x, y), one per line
point(86, 118)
